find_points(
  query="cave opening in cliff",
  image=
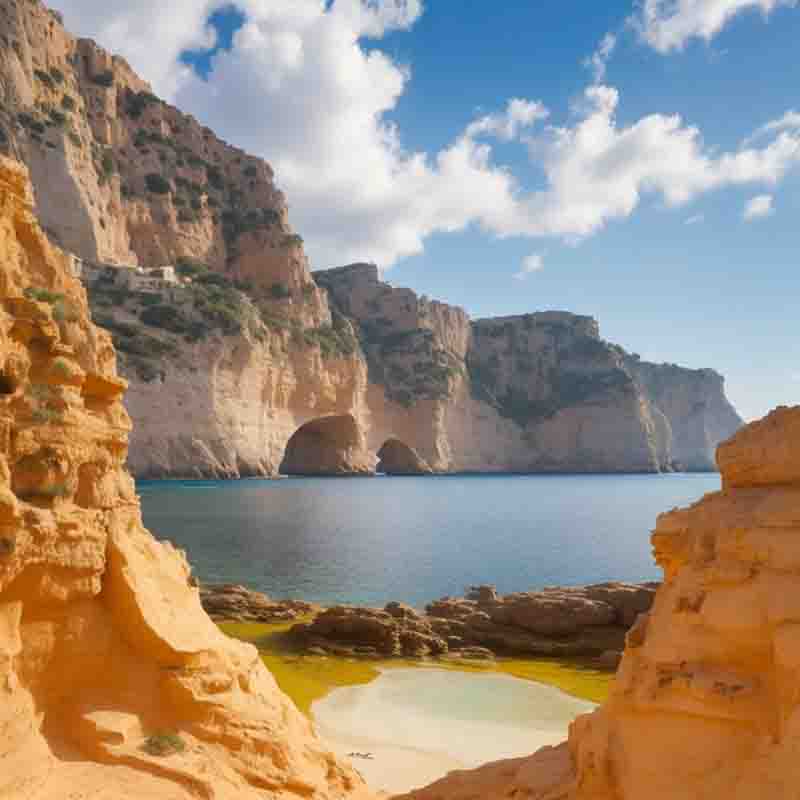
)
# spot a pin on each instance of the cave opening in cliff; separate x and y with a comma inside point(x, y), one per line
point(397, 458)
point(326, 446)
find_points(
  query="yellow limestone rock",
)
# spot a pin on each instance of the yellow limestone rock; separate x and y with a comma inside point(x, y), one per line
point(103, 642)
point(706, 703)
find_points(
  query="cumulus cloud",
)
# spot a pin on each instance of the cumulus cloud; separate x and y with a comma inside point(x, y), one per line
point(758, 207)
point(668, 25)
point(306, 86)
point(533, 263)
point(598, 61)
point(598, 171)
point(508, 125)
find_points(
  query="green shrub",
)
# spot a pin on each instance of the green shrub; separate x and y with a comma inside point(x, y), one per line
point(56, 74)
point(68, 103)
point(164, 316)
point(45, 78)
point(213, 279)
point(57, 117)
point(189, 267)
point(293, 240)
point(107, 164)
point(137, 102)
point(30, 123)
point(279, 291)
point(251, 171)
point(62, 367)
point(105, 79)
point(215, 177)
point(157, 184)
point(43, 295)
point(163, 744)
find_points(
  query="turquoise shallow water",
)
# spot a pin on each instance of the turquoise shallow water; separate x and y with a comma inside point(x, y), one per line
point(372, 540)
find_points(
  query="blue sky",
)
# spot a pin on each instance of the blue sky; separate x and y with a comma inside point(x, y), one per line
point(666, 261)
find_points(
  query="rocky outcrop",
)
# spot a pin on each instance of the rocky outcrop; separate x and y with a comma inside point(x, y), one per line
point(230, 602)
point(113, 681)
point(580, 621)
point(705, 703)
point(224, 372)
point(397, 458)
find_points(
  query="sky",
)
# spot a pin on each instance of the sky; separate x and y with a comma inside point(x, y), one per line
point(635, 160)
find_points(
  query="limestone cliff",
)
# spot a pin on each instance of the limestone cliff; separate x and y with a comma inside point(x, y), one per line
point(226, 372)
point(705, 702)
point(696, 412)
point(120, 176)
point(114, 683)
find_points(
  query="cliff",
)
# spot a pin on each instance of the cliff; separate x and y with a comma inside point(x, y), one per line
point(226, 372)
point(113, 681)
point(705, 702)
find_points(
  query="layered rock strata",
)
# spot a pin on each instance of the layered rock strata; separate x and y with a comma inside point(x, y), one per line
point(113, 681)
point(565, 622)
point(705, 703)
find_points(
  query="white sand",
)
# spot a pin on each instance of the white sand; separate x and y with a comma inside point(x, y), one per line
point(419, 724)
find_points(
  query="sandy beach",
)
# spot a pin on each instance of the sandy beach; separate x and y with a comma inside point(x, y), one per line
point(419, 724)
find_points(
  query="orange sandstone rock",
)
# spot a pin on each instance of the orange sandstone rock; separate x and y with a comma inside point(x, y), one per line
point(105, 651)
point(706, 704)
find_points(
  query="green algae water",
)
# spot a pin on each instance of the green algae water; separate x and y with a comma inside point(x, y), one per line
point(372, 540)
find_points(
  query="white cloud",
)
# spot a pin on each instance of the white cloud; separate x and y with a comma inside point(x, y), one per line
point(597, 171)
point(303, 88)
point(533, 263)
point(695, 219)
point(669, 24)
point(598, 61)
point(790, 121)
point(507, 126)
point(758, 207)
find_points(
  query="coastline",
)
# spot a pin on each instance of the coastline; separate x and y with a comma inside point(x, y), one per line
point(308, 678)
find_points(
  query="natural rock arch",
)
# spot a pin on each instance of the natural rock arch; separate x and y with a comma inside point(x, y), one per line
point(396, 458)
point(326, 446)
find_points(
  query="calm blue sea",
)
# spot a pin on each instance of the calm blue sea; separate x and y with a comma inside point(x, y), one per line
point(372, 540)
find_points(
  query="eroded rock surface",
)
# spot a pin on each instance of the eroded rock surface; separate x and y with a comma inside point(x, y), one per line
point(580, 621)
point(231, 602)
point(397, 458)
point(706, 701)
point(105, 651)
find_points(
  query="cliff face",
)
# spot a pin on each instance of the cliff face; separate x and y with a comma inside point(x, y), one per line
point(705, 704)
point(121, 176)
point(107, 662)
point(225, 372)
point(697, 414)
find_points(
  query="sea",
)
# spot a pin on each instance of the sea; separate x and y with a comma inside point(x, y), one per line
point(368, 541)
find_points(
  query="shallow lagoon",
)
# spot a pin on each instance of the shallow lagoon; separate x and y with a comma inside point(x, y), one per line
point(418, 724)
